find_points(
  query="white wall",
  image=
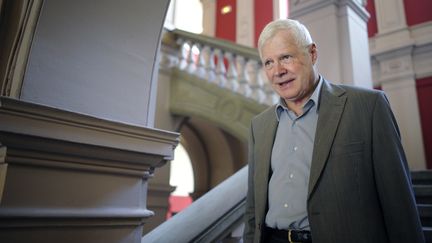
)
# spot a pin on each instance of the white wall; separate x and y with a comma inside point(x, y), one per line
point(97, 58)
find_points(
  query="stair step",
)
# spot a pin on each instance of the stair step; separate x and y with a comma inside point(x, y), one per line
point(427, 231)
point(421, 177)
point(425, 211)
point(423, 194)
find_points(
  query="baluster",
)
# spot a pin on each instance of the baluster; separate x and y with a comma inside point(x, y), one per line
point(183, 54)
point(191, 64)
point(209, 65)
point(220, 68)
point(244, 87)
point(169, 57)
point(256, 82)
point(271, 97)
point(201, 62)
point(232, 83)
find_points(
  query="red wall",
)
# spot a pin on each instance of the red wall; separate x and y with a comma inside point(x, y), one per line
point(226, 23)
point(424, 94)
point(372, 22)
point(418, 11)
point(263, 15)
point(177, 204)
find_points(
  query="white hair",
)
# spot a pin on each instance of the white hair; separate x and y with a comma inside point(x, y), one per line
point(299, 32)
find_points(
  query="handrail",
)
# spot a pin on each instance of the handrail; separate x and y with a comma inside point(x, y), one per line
point(208, 218)
point(224, 225)
point(248, 52)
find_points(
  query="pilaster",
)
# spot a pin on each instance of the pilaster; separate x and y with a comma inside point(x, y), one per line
point(280, 9)
point(339, 29)
point(392, 29)
point(390, 15)
point(396, 76)
point(209, 17)
point(400, 55)
point(245, 23)
point(402, 95)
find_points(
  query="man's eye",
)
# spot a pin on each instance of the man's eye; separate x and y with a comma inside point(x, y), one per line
point(268, 63)
point(286, 58)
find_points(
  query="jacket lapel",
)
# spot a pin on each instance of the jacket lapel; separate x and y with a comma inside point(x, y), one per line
point(262, 167)
point(331, 106)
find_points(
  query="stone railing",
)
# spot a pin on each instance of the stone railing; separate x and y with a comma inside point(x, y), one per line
point(212, 218)
point(226, 64)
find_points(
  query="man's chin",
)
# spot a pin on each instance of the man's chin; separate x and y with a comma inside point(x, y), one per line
point(288, 97)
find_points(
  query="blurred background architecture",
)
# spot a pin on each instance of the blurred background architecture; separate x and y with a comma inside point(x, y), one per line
point(97, 97)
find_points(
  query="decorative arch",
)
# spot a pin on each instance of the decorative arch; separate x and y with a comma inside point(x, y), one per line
point(216, 131)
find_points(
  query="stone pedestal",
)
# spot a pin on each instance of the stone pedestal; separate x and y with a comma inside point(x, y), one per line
point(67, 177)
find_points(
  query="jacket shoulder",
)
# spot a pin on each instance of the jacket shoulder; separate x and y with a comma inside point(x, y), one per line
point(265, 116)
point(353, 93)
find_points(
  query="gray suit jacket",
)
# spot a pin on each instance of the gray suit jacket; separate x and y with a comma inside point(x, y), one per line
point(359, 187)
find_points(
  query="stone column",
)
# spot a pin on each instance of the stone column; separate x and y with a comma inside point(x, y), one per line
point(280, 9)
point(245, 23)
point(209, 17)
point(340, 31)
point(392, 54)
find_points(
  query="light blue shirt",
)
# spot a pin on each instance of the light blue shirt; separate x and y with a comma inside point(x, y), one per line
point(290, 162)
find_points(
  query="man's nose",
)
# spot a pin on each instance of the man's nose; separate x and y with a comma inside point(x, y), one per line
point(279, 69)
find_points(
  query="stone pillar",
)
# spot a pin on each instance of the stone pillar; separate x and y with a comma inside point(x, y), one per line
point(68, 177)
point(390, 16)
point(280, 9)
point(245, 23)
point(209, 17)
point(392, 54)
point(339, 29)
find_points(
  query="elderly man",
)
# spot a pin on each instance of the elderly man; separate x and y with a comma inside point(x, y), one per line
point(326, 163)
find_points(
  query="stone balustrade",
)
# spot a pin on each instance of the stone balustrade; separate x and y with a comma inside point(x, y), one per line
point(226, 64)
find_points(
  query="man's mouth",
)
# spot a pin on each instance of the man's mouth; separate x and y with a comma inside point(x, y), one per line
point(285, 83)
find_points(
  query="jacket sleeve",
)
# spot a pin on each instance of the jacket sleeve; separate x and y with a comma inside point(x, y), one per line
point(249, 217)
point(392, 177)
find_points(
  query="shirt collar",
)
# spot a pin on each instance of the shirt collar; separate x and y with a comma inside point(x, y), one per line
point(314, 97)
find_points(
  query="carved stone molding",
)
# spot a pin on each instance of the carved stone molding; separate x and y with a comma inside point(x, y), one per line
point(190, 95)
point(37, 120)
point(395, 65)
point(401, 54)
point(16, 40)
point(71, 174)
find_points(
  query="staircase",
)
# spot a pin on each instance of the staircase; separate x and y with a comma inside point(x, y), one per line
point(250, 93)
point(422, 184)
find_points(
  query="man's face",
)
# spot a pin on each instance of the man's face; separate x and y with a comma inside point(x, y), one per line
point(289, 67)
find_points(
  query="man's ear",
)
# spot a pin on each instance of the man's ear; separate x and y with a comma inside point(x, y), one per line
point(313, 51)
